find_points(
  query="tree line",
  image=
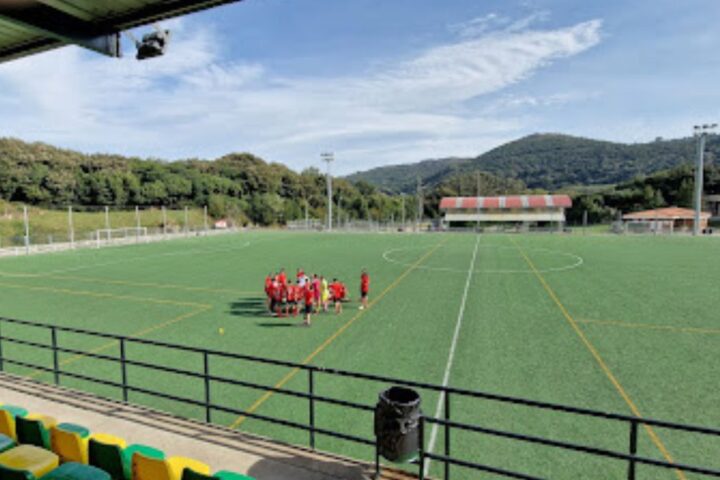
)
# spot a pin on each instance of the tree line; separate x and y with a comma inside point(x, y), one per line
point(246, 189)
point(239, 186)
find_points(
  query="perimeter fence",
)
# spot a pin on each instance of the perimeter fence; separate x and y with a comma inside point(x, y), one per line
point(39, 347)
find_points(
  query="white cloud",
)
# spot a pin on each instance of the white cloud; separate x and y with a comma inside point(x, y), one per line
point(193, 102)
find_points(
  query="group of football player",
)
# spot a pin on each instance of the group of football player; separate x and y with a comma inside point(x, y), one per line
point(311, 295)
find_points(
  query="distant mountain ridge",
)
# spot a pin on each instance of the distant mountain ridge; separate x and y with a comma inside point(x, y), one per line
point(549, 162)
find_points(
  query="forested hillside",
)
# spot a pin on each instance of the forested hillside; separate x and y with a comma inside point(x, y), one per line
point(240, 185)
point(672, 187)
point(247, 189)
point(549, 162)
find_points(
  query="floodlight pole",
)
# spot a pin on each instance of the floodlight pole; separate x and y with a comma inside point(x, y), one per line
point(107, 221)
point(71, 227)
point(420, 204)
point(27, 229)
point(307, 218)
point(329, 157)
point(187, 226)
point(137, 223)
point(700, 132)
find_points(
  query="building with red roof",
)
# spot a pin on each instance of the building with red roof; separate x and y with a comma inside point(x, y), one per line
point(670, 219)
point(524, 209)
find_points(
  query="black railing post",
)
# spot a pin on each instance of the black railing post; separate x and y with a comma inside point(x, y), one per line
point(123, 369)
point(311, 402)
point(206, 376)
point(56, 363)
point(377, 458)
point(633, 448)
point(421, 445)
point(447, 435)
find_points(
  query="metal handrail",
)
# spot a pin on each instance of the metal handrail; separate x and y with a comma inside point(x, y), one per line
point(449, 426)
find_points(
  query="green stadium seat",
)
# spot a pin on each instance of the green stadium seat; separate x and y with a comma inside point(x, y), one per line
point(34, 429)
point(76, 471)
point(7, 473)
point(109, 453)
point(75, 428)
point(106, 453)
point(15, 410)
point(30, 458)
point(189, 474)
point(227, 475)
point(144, 450)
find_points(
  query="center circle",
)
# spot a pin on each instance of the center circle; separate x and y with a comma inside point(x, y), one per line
point(550, 260)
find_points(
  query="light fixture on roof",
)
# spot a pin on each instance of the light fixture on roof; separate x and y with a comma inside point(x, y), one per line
point(152, 44)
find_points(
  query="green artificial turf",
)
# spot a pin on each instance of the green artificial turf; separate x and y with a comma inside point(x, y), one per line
point(546, 317)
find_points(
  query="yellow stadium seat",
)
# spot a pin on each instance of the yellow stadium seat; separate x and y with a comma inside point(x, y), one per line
point(35, 460)
point(146, 468)
point(7, 420)
point(70, 446)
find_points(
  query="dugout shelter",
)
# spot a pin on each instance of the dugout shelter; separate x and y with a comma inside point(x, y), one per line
point(529, 210)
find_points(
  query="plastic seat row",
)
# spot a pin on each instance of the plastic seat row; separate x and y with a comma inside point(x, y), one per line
point(36, 447)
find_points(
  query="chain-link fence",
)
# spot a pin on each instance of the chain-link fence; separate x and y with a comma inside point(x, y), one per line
point(25, 230)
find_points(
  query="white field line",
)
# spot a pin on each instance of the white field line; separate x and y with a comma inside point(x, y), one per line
point(451, 356)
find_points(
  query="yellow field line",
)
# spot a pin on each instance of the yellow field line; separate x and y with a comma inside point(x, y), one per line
point(649, 326)
point(598, 358)
point(260, 401)
point(112, 343)
point(86, 293)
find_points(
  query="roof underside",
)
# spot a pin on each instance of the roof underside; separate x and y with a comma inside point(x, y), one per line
point(506, 202)
point(21, 36)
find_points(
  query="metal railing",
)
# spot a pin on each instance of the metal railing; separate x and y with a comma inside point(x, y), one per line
point(448, 425)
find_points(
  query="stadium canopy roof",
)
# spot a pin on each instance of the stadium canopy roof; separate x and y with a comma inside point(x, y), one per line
point(670, 213)
point(499, 203)
point(33, 26)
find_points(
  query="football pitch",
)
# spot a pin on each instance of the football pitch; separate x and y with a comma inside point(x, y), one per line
point(627, 325)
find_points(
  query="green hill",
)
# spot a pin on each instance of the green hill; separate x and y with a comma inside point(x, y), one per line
point(238, 185)
point(549, 162)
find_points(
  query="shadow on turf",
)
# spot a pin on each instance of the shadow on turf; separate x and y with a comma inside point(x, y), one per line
point(279, 324)
point(249, 307)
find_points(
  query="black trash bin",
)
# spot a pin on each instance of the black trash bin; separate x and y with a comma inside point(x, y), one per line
point(397, 423)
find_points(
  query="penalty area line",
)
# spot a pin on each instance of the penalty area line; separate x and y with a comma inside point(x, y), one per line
point(451, 355)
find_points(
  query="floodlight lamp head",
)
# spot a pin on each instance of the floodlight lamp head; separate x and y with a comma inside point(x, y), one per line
point(153, 44)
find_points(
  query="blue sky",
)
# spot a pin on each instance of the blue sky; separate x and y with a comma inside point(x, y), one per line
point(379, 81)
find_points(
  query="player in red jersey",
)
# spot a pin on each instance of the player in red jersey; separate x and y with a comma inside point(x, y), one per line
point(336, 291)
point(364, 289)
point(282, 278)
point(293, 298)
point(268, 289)
point(309, 297)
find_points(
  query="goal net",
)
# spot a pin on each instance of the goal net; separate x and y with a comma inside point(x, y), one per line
point(120, 235)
